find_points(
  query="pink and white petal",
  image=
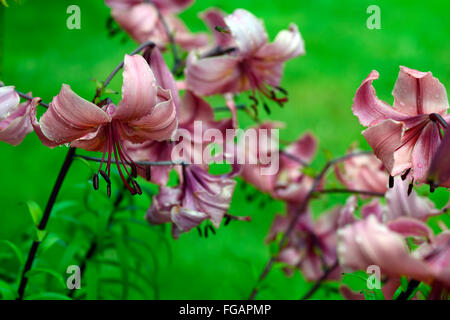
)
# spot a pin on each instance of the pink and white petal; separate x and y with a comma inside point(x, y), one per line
point(172, 5)
point(216, 18)
point(368, 108)
point(247, 30)
point(213, 75)
point(399, 204)
point(288, 44)
point(304, 148)
point(194, 108)
point(122, 4)
point(139, 91)
point(186, 219)
point(159, 125)
point(424, 149)
point(374, 208)
point(410, 227)
point(164, 77)
point(385, 139)
point(68, 118)
point(187, 40)
point(94, 141)
point(14, 128)
point(9, 100)
point(37, 129)
point(418, 92)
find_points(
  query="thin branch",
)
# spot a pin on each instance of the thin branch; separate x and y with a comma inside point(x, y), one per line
point(412, 286)
point(300, 211)
point(225, 109)
point(143, 163)
point(294, 158)
point(353, 191)
point(319, 282)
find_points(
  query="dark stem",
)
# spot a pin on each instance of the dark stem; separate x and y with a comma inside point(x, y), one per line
point(43, 223)
point(142, 163)
point(319, 282)
point(300, 211)
point(353, 191)
point(173, 46)
point(225, 109)
point(412, 285)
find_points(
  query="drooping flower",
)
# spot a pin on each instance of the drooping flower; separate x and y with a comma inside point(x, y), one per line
point(406, 136)
point(14, 116)
point(192, 111)
point(311, 246)
point(143, 23)
point(369, 242)
point(363, 173)
point(289, 183)
point(254, 65)
point(146, 112)
point(201, 196)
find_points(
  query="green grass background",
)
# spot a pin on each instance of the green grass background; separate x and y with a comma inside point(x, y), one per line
point(40, 53)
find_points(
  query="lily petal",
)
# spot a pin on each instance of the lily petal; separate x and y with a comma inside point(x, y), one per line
point(9, 100)
point(368, 108)
point(138, 89)
point(418, 92)
point(17, 125)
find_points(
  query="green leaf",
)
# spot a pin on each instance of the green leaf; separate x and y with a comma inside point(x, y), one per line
point(50, 272)
point(14, 249)
point(39, 234)
point(35, 211)
point(85, 162)
point(50, 241)
point(6, 291)
point(47, 296)
point(4, 3)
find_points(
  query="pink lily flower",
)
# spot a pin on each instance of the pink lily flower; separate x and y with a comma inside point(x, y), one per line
point(255, 64)
point(289, 183)
point(312, 246)
point(406, 136)
point(201, 196)
point(369, 242)
point(14, 116)
point(363, 173)
point(142, 22)
point(146, 112)
point(190, 109)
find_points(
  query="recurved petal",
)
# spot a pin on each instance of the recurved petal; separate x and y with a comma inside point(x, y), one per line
point(208, 76)
point(159, 125)
point(288, 44)
point(194, 108)
point(216, 18)
point(399, 204)
point(247, 30)
point(69, 117)
point(94, 141)
point(424, 149)
point(439, 172)
point(418, 92)
point(368, 108)
point(385, 138)
point(410, 227)
point(17, 125)
point(139, 91)
point(304, 148)
point(9, 100)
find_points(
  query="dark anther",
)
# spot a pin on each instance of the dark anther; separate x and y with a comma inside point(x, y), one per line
point(105, 176)
point(133, 170)
point(148, 173)
point(212, 229)
point(95, 181)
point(391, 182)
point(222, 29)
point(284, 91)
point(206, 232)
point(227, 220)
point(199, 231)
point(266, 107)
point(405, 174)
point(136, 187)
point(410, 188)
point(432, 187)
point(255, 101)
point(108, 190)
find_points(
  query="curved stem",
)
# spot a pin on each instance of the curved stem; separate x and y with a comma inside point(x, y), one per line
point(143, 163)
point(300, 211)
point(43, 223)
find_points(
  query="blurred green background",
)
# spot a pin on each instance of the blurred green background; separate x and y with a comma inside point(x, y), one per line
point(39, 54)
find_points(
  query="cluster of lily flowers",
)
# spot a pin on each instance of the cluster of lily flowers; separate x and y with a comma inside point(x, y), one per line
point(409, 141)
